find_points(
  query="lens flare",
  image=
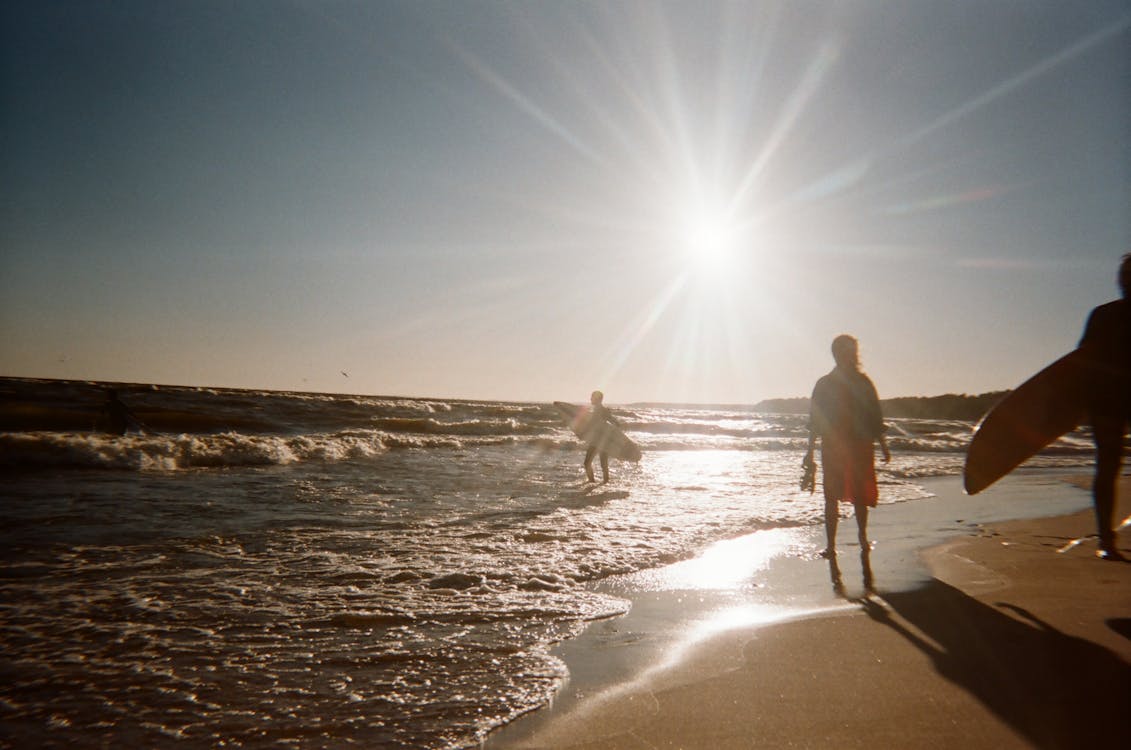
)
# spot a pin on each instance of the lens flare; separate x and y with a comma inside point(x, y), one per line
point(710, 239)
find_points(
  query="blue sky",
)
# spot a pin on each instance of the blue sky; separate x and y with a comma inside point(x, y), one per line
point(529, 200)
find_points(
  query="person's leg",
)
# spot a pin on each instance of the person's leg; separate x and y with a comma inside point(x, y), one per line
point(862, 524)
point(605, 468)
point(1108, 433)
point(835, 576)
point(589, 454)
point(832, 516)
point(832, 484)
point(866, 568)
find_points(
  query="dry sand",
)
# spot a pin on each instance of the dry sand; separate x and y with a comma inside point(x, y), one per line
point(1018, 637)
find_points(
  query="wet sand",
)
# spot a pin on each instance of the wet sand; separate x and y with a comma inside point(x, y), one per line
point(1011, 634)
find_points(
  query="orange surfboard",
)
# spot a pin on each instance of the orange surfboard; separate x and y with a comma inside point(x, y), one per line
point(1050, 404)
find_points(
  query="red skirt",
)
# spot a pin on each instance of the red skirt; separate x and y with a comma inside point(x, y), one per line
point(849, 470)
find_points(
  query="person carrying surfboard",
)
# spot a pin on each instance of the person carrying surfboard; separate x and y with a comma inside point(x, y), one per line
point(845, 416)
point(599, 416)
point(1106, 345)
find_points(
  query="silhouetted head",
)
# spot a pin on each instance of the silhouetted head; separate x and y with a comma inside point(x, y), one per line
point(846, 352)
point(596, 398)
point(1125, 276)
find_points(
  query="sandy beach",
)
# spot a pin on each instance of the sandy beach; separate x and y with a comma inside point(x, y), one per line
point(1015, 635)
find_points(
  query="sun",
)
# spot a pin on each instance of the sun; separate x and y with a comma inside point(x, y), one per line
point(710, 240)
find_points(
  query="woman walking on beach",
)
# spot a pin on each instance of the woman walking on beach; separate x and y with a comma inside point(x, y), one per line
point(845, 416)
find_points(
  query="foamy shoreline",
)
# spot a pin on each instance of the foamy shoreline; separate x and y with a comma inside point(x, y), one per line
point(652, 678)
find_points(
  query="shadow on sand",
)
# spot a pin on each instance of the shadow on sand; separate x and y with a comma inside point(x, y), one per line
point(1057, 690)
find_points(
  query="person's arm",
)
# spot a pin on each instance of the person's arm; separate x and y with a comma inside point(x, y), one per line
point(816, 422)
point(878, 419)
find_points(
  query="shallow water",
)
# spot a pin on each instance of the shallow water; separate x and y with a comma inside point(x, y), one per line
point(319, 571)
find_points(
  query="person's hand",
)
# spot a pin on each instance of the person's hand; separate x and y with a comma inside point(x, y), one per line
point(808, 473)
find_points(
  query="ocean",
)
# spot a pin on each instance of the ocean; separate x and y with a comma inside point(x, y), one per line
point(270, 569)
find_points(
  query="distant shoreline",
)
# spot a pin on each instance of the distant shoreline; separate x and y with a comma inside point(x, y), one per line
point(949, 406)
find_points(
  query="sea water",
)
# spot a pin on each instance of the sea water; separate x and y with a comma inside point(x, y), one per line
point(264, 569)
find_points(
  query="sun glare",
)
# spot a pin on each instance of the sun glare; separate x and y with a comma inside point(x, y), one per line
point(710, 240)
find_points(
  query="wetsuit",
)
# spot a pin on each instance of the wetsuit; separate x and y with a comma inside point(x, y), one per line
point(1106, 345)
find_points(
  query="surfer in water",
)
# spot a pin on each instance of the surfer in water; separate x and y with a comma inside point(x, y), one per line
point(845, 416)
point(119, 418)
point(1107, 346)
point(599, 415)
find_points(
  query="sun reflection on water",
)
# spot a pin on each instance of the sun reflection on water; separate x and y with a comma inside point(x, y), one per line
point(731, 564)
point(724, 471)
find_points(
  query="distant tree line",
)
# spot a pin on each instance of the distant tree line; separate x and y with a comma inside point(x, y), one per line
point(951, 406)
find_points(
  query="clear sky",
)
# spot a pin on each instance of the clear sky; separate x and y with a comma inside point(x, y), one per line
point(677, 201)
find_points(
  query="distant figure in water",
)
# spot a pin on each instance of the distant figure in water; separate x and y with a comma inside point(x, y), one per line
point(599, 414)
point(1107, 346)
point(845, 416)
point(119, 418)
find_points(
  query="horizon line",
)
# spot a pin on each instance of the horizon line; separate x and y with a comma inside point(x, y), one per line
point(735, 405)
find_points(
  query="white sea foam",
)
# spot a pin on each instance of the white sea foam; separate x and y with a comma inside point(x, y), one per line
point(390, 572)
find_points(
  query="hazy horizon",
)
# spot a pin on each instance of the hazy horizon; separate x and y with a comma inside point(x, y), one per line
point(577, 399)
